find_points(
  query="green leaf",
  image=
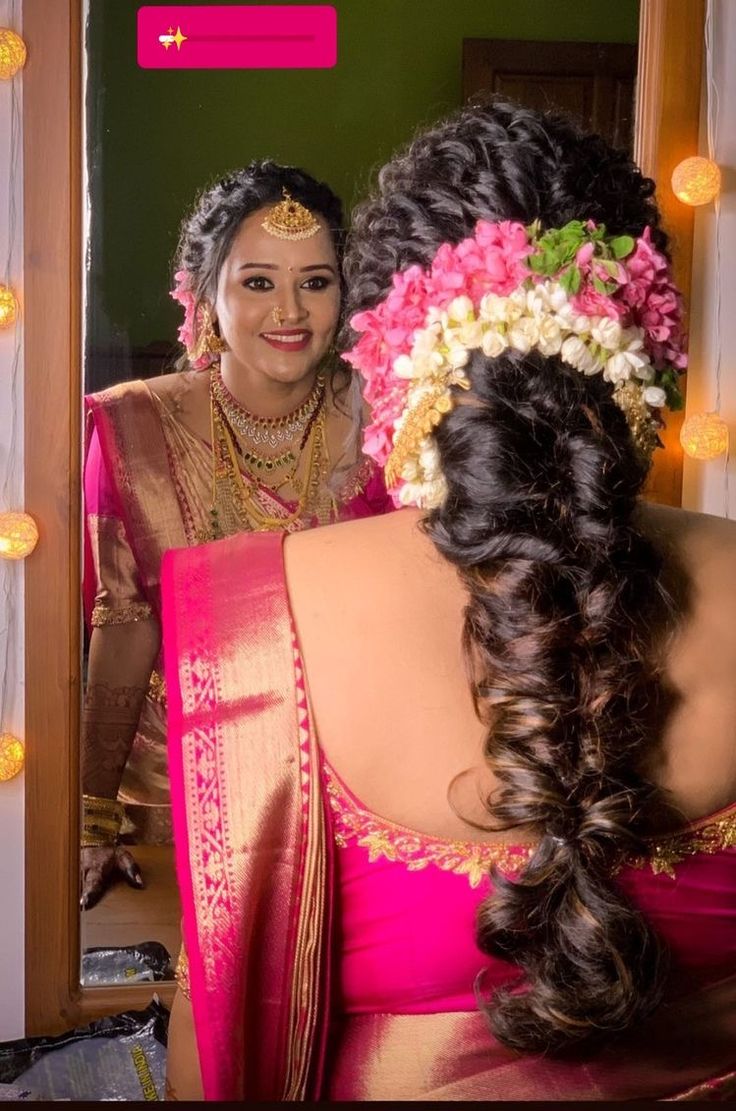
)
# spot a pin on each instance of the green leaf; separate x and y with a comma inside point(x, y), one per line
point(622, 246)
point(600, 286)
point(570, 279)
point(669, 381)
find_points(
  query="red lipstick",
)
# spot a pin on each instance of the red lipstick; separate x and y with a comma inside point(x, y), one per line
point(288, 339)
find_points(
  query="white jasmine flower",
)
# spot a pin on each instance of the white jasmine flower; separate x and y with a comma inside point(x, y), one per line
point(429, 461)
point(493, 308)
point(621, 366)
point(523, 334)
point(575, 352)
point(617, 369)
point(404, 367)
point(410, 493)
point(572, 321)
point(557, 296)
point(493, 343)
point(457, 355)
point(645, 372)
point(606, 332)
point(516, 305)
point(461, 309)
point(470, 334)
point(426, 340)
point(432, 494)
point(550, 336)
point(545, 299)
point(655, 396)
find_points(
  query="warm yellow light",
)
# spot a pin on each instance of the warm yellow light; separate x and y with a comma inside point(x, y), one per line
point(704, 436)
point(18, 535)
point(12, 756)
point(8, 307)
point(12, 53)
point(696, 181)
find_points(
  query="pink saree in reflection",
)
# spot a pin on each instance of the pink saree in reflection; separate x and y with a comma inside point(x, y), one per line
point(267, 924)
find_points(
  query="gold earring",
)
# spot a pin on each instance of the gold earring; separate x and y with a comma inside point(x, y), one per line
point(208, 342)
point(277, 315)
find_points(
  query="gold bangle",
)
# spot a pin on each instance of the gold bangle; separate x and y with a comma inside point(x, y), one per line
point(101, 822)
point(92, 841)
point(105, 805)
point(110, 809)
point(100, 828)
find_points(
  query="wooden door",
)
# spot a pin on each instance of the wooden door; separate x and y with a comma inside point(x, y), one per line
point(593, 81)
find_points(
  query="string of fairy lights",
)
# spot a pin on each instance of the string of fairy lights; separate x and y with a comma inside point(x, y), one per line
point(697, 181)
point(18, 532)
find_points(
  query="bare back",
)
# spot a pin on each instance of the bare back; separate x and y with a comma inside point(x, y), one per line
point(379, 616)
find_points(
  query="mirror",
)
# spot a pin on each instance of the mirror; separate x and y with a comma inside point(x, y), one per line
point(151, 140)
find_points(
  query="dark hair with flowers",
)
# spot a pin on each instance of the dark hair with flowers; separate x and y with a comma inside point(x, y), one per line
point(565, 600)
point(208, 232)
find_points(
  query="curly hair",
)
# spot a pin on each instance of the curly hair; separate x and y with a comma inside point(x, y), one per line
point(564, 593)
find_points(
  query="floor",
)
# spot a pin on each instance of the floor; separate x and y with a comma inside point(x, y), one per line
point(126, 916)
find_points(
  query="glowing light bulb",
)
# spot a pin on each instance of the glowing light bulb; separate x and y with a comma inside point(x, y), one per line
point(696, 181)
point(704, 436)
point(8, 307)
point(12, 756)
point(18, 535)
point(13, 53)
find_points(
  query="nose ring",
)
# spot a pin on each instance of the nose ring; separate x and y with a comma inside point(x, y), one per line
point(278, 316)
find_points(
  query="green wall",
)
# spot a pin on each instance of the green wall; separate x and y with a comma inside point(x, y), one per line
point(156, 137)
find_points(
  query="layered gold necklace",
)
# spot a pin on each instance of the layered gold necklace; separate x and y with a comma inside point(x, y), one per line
point(238, 434)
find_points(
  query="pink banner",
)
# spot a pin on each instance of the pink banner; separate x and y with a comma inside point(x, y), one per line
point(240, 36)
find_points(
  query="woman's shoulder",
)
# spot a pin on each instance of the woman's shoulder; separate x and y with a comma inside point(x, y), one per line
point(180, 390)
point(703, 544)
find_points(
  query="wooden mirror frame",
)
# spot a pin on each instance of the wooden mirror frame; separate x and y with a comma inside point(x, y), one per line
point(668, 109)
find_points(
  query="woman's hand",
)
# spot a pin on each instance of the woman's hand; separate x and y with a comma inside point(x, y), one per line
point(100, 867)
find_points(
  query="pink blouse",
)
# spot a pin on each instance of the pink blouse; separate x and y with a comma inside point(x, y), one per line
point(407, 905)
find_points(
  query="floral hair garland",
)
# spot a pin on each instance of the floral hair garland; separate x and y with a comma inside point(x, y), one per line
point(603, 304)
point(188, 330)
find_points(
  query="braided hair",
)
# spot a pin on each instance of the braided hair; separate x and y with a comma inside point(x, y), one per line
point(564, 592)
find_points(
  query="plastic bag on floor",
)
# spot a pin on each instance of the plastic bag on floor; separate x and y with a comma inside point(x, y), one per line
point(14, 1093)
point(128, 964)
point(121, 1057)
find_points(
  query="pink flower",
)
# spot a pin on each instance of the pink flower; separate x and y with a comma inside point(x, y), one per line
point(654, 303)
point(592, 303)
point(182, 292)
point(585, 254)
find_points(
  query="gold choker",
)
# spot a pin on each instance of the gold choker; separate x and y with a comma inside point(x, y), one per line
point(269, 432)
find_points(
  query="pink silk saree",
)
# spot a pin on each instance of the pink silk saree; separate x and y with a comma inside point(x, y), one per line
point(256, 869)
point(148, 487)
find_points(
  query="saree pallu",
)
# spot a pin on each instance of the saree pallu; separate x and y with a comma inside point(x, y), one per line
point(254, 852)
point(253, 860)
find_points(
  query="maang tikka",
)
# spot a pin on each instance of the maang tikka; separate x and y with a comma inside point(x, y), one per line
point(290, 219)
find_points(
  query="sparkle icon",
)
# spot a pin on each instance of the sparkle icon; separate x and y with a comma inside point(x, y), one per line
point(170, 38)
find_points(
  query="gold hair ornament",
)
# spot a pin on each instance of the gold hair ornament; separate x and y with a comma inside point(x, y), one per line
point(290, 219)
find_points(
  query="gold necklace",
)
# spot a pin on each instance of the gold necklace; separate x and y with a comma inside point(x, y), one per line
point(266, 431)
point(235, 504)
